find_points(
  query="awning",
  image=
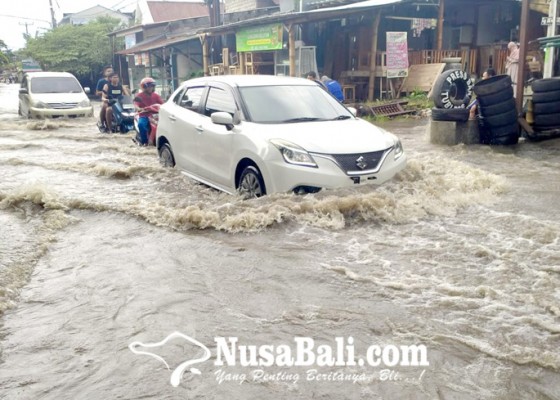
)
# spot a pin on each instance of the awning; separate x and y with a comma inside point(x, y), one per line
point(158, 42)
point(300, 17)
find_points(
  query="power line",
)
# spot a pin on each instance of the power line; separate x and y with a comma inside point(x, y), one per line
point(18, 17)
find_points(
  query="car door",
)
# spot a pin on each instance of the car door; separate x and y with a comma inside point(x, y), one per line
point(179, 121)
point(215, 149)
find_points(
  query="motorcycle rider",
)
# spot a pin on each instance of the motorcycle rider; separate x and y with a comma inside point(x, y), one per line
point(108, 70)
point(143, 100)
point(112, 91)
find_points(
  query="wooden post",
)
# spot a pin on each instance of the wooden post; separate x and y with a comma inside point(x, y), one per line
point(292, 49)
point(205, 60)
point(373, 56)
point(522, 52)
point(440, 25)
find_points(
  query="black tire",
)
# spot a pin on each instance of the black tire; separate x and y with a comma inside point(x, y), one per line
point(546, 97)
point(504, 135)
point(539, 128)
point(547, 119)
point(166, 158)
point(451, 114)
point(505, 140)
point(546, 108)
point(499, 130)
point(504, 119)
point(492, 85)
point(545, 85)
point(499, 108)
point(496, 98)
point(251, 183)
point(452, 89)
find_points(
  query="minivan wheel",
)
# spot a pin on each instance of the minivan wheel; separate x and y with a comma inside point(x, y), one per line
point(166, 158)
point(251, 183)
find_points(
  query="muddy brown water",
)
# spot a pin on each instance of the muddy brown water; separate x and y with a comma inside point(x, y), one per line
point(101, 247)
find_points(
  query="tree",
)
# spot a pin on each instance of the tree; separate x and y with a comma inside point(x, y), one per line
point(4, 56)
point(80, 49)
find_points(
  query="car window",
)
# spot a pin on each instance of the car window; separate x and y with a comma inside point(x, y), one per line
point(55, 84)
point(291, 103)
point(177, 98)
point(191, 98)
point(219, 100)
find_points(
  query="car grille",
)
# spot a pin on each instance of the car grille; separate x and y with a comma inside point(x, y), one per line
point(359, 162)
point(61, 106)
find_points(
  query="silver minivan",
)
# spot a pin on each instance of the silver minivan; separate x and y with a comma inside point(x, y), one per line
point(53, 94)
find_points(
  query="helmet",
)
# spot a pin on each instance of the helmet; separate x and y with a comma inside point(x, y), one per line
point(144, 83)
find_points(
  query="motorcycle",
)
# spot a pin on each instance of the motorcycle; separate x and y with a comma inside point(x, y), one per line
point(123, 115)
point(152, 126)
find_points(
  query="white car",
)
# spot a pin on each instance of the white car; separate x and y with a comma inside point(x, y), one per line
point(53, 94)
point(260, 134)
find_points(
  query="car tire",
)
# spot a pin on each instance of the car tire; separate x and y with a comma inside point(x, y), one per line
point(492, 85)
point(546, 119)
point(541, 128)
point(251, 183)
point(496, 109)
point(545, 85)
point(546, 108)
point(546, 97)
point(504, 119)
point(450, 114)
point(452, 89)
point(495, 98)
point(499, 130)
point(166, 158)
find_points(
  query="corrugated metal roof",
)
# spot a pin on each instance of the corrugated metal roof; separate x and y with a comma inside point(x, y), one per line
point(158, 42)
point(306, 16)
point(174, 10)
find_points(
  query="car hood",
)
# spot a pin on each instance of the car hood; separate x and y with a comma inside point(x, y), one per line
point(59, 97)
point(330, 137)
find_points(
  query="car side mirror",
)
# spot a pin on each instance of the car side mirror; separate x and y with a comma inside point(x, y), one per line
point(23, 91)
point(87, 90)
point(222, 118)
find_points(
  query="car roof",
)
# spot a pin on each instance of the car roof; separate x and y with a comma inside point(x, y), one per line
point(48, 74)
point(251, 80)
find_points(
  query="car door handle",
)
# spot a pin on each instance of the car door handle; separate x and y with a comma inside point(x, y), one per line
point(200, 129)
point(172, 117)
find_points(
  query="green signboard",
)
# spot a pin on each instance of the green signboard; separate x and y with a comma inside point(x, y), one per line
point(268, 37)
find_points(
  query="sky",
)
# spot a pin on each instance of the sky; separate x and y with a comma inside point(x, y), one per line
point(35, 15)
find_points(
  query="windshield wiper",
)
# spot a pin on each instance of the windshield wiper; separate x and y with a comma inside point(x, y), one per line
point(301, 119)
point(340, 117)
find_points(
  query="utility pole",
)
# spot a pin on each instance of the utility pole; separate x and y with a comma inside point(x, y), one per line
point(26, 28)
point(53, 19)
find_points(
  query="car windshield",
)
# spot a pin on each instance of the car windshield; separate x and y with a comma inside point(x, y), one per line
point(55, 85)
point(285, 104)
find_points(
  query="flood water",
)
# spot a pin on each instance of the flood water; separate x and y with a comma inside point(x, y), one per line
point(101, 247)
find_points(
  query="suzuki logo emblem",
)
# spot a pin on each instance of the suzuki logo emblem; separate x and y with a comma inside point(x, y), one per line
point(360, 163)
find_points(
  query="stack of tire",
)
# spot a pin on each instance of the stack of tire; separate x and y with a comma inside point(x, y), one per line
point(546, 104)
point(451, 94)
point(498, 113)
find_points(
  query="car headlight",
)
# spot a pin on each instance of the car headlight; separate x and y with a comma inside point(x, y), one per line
point(84, 103)
point(398, 149)
point(40, 104)
point(294, 154)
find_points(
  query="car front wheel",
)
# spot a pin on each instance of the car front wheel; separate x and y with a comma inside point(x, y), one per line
point(251, 183)
point(166, 156)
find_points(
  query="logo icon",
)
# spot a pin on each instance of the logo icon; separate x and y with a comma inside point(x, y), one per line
point(178, 372)
point(361, 163)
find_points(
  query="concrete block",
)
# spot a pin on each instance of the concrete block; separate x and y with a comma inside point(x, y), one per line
point(452, 133)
